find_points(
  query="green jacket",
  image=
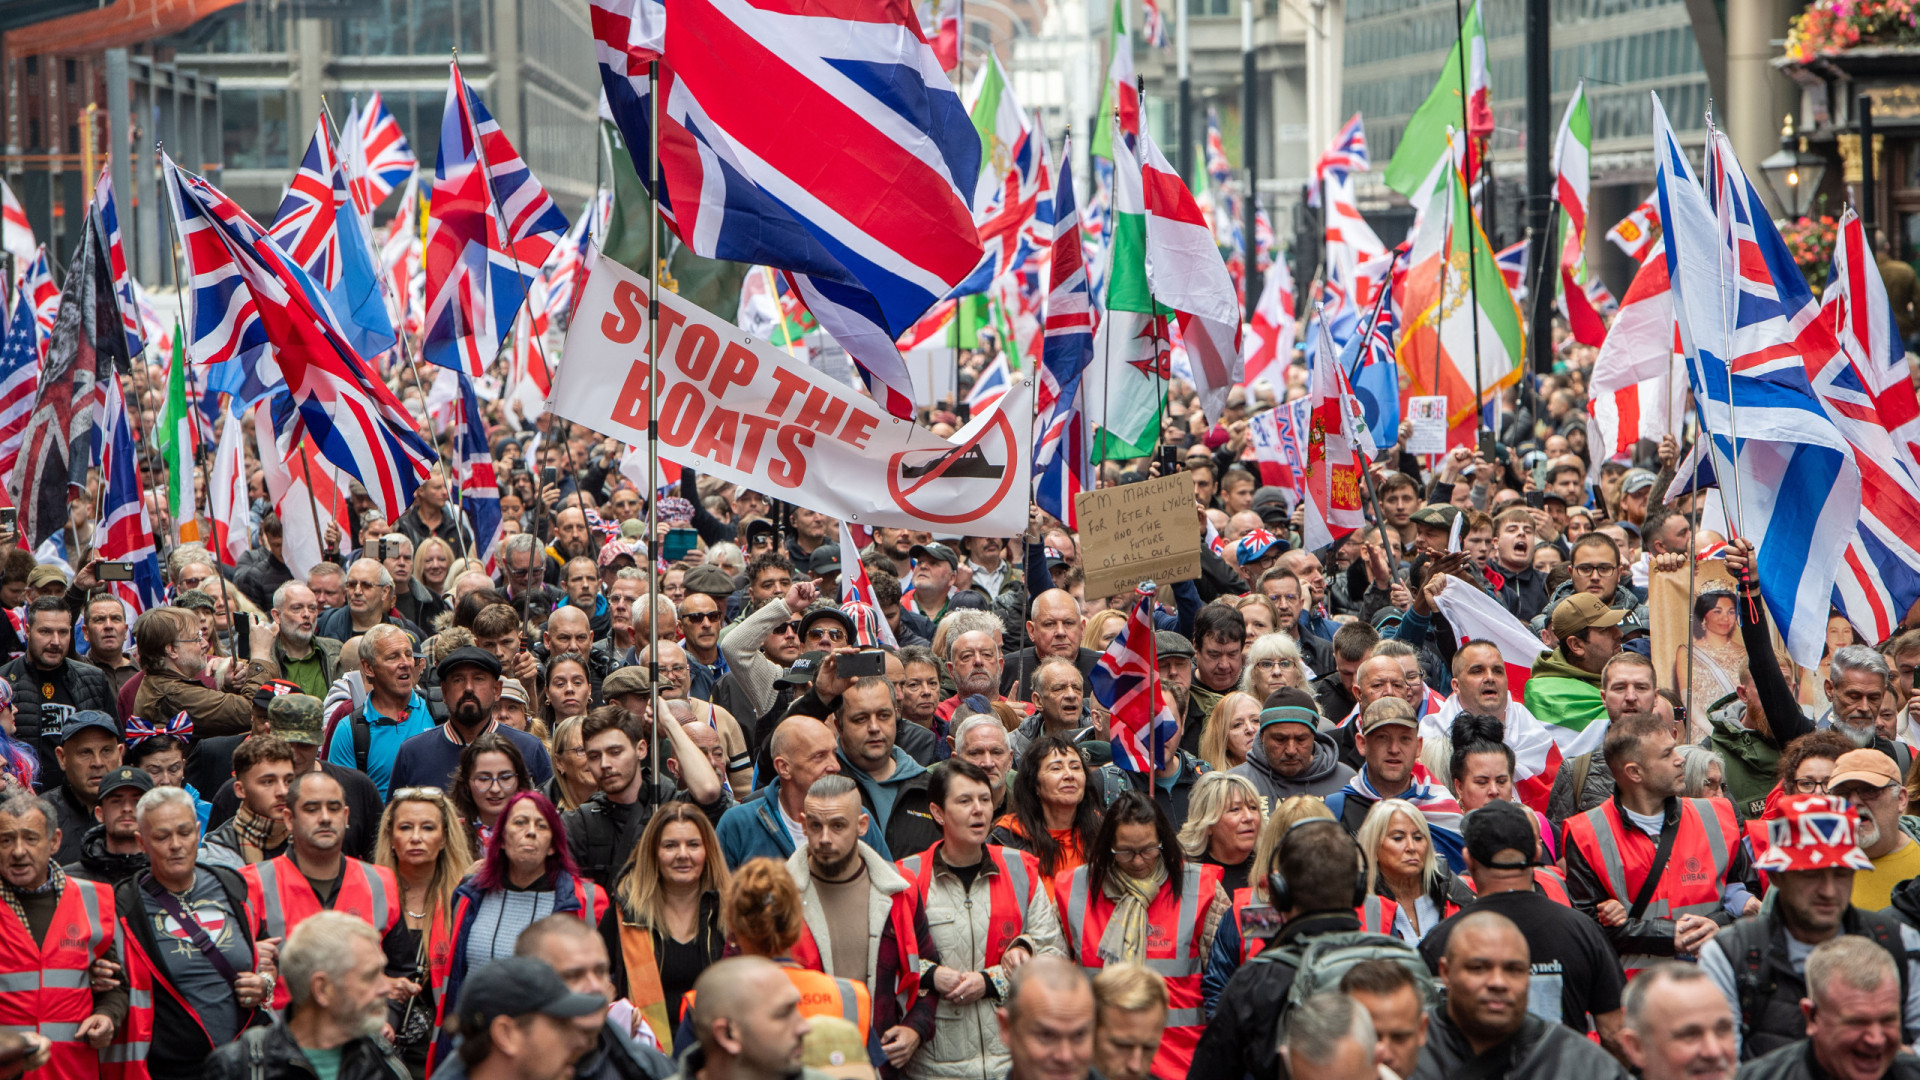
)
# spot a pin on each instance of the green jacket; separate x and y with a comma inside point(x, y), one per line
point(1749, 760)
point(1559, 693)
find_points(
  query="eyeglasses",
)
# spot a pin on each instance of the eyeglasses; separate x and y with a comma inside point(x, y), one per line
point(1134, 854)
point(826, 633)
point(700, 616)
point(489, 782)
point(355, 586)
point(1594, 568)
point(573, 753)
point(1806, 785)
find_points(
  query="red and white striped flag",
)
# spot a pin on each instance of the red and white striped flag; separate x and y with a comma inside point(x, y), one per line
point(1475, 616)
point(1638, 369)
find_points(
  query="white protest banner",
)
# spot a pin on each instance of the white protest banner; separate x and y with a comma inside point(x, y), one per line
point(1429, 417)
point(734, 407)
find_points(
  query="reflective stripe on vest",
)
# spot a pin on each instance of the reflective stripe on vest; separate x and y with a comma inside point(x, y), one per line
point(1602, 826)
point(849, 1004)
point(377, 889)
point(47, 991)
point(270, 913)
point(1182, 963)
point(1077, 911)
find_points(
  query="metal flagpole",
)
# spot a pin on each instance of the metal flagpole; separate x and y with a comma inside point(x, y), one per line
point(1473, 276)
point(1726, 336)
point(653, 391)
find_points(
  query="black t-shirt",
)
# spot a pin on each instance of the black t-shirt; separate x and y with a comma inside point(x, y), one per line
point(1571, 959)
point(1233, 877)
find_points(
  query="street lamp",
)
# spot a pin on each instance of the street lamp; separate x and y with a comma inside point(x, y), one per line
point(1793, 173)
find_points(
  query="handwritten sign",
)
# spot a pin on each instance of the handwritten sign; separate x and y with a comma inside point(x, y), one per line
point(1138, 532)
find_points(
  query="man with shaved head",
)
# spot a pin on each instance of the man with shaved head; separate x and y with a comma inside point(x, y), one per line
point(746, 1014)
point(1047, 1021)
point(768, 822)
point(1054, 625)
point(1487, 969)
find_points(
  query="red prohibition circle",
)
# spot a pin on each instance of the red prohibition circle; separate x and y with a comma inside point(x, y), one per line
point(1006, 481)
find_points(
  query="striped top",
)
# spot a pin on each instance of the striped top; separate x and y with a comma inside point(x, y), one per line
point(498, 920)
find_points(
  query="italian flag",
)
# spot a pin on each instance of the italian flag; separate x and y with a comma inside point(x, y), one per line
point(1572, 151)
point(177, 437)
point(1416, 168)
point(1437, 346)
point(1121, 95)
point(1131, 348)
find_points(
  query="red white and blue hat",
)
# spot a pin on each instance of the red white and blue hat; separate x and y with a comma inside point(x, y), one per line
point(1257, 544)
point(1815, 832)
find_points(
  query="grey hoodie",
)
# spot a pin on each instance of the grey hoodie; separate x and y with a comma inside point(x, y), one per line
point(1323, 776)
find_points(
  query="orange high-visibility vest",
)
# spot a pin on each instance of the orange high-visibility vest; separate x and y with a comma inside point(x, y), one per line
point(278, 892)
point(44, 988)
point(1009, 891)
point(821, 994)
point(1696, 869)
point(1175, 948)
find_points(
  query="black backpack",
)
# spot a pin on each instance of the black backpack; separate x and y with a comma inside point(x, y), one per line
point(362, 728)
point(1748, 942)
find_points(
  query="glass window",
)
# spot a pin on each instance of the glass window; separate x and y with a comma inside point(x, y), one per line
point(473, 25)
point(433, 26)
point(254, 128)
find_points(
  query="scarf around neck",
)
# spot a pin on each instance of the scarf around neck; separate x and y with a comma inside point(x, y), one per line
point(257, 833)
point(1125, 939)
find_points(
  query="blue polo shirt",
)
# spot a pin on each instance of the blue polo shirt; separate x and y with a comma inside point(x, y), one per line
point(385, 737)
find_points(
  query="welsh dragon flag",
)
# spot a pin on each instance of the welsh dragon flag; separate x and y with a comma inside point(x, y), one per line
point(1572, 152)
point(1443, 301)
point(1415, 170)
point(1121, 94)
point(1132, 355)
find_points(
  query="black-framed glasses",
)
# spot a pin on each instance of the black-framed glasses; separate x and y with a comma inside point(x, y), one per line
point(1136, 853)
point(1807, 785)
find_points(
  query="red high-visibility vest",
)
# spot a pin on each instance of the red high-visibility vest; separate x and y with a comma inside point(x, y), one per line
point(806, 951)
point(126, 1059)
point(1009, 891)
point(1175, 947)
point(1546, 880)
point(1375, 915)
point(279, 894)
point(44, 988)
point(1696, 869)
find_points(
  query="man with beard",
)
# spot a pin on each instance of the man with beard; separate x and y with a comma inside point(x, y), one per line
point(331, 968)
point(572, 539)
point(1868, 780)
point(302, 656)
point(1487, 969)
point(605, 827)
point(569, 945)
point(369, 739)
point(317, 875)
point(1813, 861)
point(1858, 680)
point(861, 898)
point(48, 678)
point(110, 851)
point(470, 685)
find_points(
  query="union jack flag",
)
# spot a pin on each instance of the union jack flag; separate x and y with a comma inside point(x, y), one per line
point(1347, 154)
point(37, 282)
point(307, 224)
point(490, 228)
point(473, 466)
point(125, 532)
point(130, 313)
point(19, 376)
point(1512, 261)
point(1219, 169)
point(377, 155)
point(1262, 238)
point(400, 259)
point(247, 296)
point(1153, 25)
point(1021, 207)
point(568, 268)
point(801, 196)
point(1068, 345)
point(1126, 682)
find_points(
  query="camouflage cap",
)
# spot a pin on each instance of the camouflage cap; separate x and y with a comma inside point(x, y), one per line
point(296, 718)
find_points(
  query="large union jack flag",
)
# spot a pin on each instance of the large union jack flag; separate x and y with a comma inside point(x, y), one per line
point(247, 295)
point(858, 180)
point(378, 158)
point(125, 531)
point(490, 228)
point(307, 224)
point(1126, 682)
point(473, 466)
point(117, 258)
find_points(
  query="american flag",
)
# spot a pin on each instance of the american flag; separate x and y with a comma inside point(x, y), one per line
point(490, 228)
point(1126, 682)
point(799, 196)
point(247, 292)
point(378, 157)
point(37, 282)
point(1347, 154)
point(130, 314)
point(19, 376)
point(473, 466)
point(308, 224)
point(125, 533)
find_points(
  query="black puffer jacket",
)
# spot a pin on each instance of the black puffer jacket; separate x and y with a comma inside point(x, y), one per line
point(96, 863)
point(1796, 1062)
point(279, 1058)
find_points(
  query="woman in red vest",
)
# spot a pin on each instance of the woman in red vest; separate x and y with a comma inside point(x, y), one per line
point(1403, 868)
point(1055, 812)
point(422, 841)
point(1139, 899)
point(1482, 771)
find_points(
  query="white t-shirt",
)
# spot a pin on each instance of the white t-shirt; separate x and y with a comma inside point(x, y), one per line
point(794, 828)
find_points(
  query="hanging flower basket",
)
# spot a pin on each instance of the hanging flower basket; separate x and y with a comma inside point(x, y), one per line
point(1827, 27)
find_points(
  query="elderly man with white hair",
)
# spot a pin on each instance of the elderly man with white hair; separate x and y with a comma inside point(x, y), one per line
point(333, 966)
point(983, 740)
point(1858, 681)
point(370, 588)
point(975, 660)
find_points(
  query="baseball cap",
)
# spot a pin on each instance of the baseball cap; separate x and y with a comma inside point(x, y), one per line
point(756, 528)
point(614, 549)
point(125, 776)
point(1258, 544)
point(511, 690)
point(833, 1046)
point(1288, 705)
point(804, 668)
point(1867, 766)
point(1167, 643)
point(710, 580)
point(44, 575)
point(1583, 611)
point(519, 986)
point(1815, 832)
point(1436, 516)
point(89, 718)
point(825, 560)
point(273, 688)
point(941, 552)
point(1497, 827)
point(1055, 560)
point(828, 611)
point(296, 718)
point(1387, 712)
point(468, 656)
point(1637, 480)
point(632, 679)
point(633, 529)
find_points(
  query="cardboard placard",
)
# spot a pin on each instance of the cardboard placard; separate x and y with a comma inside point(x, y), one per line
point(1138, 532)
point(1429, 418)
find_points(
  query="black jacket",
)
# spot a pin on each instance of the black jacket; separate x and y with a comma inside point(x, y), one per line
point(1017, 676)
point(279, 1058)
point(601, 834)
point(259, 573)
point(76, 819)
point(1540, 1050)
point(86, 684)
point(97, 864)
point(1239, 1040)
point(1795, 1062)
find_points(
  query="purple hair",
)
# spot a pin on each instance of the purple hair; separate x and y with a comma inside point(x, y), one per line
point(493, 863)
point(19, 759)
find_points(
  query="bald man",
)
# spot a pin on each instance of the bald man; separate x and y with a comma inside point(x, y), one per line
point(767, 822)
point(1047, 1021)
point(1487, 969)
point(747, 1016)
point(1054, 626)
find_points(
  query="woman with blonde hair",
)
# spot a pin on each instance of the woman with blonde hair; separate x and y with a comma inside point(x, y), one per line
point(1102, 628)
point(1230, 731)
point(433, 565)
point(1223, 826)
point(1272, 661)
point(422, 841)
point(669, 903)
point(573, 781)
point(1402, 867)
point(1261, 616)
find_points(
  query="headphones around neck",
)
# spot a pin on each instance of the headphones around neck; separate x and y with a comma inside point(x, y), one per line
point(1280, 894)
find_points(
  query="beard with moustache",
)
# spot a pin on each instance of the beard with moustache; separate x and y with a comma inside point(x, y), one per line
point(1862, 736)
point(468, 712)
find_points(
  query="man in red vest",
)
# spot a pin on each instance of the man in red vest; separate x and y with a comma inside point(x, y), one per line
point(52, 928)
point(316, 875)
point(1650, 866)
